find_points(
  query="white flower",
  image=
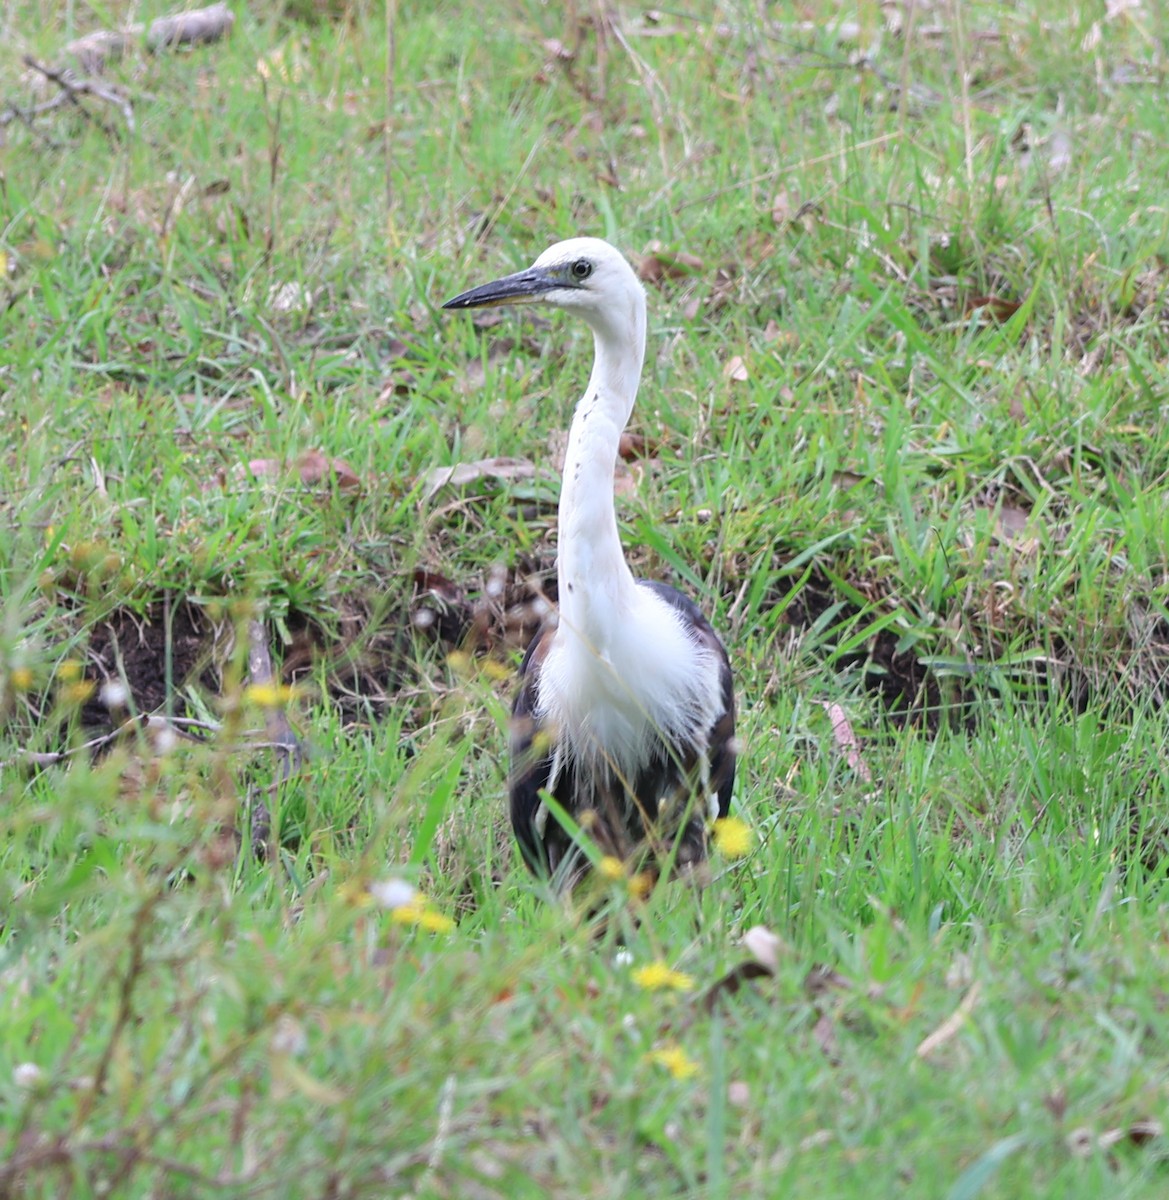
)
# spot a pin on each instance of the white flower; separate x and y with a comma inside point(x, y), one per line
point(27, 1075)
point(162, 734)
point(393, 892)
point(114, 694)
point(288, 1036)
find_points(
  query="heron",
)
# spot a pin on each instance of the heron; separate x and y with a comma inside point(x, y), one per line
point(625, 713)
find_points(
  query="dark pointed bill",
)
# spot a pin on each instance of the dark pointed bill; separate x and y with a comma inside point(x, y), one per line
point(511, 289)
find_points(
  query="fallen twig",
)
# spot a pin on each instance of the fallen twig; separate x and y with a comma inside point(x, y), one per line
point(95, 51)
point(845, 739)
point(72, 86)
point(260, 672)
point(154, 724)
point(289, 752)
point(950, 1026)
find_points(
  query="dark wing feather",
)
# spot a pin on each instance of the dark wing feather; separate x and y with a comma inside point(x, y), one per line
point(720, 749)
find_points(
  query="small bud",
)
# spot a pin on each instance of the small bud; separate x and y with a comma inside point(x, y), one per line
point(27, 1075)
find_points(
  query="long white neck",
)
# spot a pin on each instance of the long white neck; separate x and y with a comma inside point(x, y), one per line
point(595, 583)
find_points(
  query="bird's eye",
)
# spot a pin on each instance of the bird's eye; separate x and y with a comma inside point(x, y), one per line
point(582, 268)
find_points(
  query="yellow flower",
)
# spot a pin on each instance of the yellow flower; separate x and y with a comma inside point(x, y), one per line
point(657, 977)
point(418, 912)
point(675, 1060)
point(69, 670)
point(459, 662)
point(641, 884)
point(355, 895)
point(21, 679)
point(269, 695)
point(496, 670)
point(78, 692)
point(732, 837)
point(610, 868)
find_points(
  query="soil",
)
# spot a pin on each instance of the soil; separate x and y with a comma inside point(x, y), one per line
point(372, 656)
point(132, 646)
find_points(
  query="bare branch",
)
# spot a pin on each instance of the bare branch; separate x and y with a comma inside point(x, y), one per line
point(95, 51)
point(289, 752)
point(73, 86)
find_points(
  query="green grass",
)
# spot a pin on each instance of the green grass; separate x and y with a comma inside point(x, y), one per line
point(950, 524)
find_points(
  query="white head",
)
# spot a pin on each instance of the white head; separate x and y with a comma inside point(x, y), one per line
point(583, 275)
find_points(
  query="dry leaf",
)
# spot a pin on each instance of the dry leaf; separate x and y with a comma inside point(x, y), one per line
point(1013, 521)
point(556, 48)
point(627, 478)
point(846, 480)
point(402, 348)
point(462, 474)
point(440, 585)
point(289, 297)
point(735, 370)
point(402, 378)
point(997, 308)
point(726, 280)
point(950, 1026)
point(401, 382)
point(261, 468)
point(846, 739)
point(475, 374)
point(1082, 1142)
point(824, 1033)
point(634, 445)
point(1140, 1132)
point(312, 466)
point(730, 983)
point(486, 318)
point(1059, 150)
point(816, 1140)
point(315, 467)
point(782, 210)
point(821, 980)
point(658, 263)
point(96, 49)
point(775, 335)
point(763, 946)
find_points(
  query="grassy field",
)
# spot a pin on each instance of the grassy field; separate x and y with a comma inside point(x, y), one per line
point(902, 430)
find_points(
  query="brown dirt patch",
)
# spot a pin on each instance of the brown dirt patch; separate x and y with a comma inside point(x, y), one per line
point(135, 647)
